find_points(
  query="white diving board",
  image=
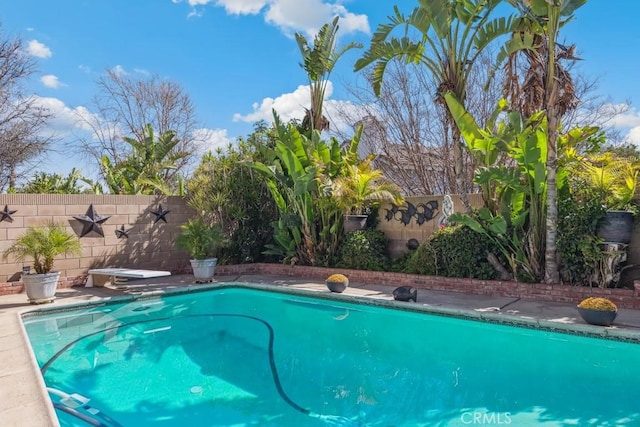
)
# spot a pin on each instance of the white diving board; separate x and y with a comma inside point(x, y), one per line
point(123, 272)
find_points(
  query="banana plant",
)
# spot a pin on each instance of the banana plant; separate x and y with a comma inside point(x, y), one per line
point(144, 170)
point(516, 214)
point(300, 171)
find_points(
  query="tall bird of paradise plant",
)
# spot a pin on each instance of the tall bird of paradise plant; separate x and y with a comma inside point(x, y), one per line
point(449, 37)
point(318, 62)
point(549, 89)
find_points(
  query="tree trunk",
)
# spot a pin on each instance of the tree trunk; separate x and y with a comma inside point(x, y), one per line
point(551, 272)
point(458, 166)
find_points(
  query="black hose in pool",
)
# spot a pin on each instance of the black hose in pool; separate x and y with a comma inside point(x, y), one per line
point(272, 362)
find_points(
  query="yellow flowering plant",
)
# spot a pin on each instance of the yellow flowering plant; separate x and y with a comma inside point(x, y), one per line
point(598, 303)
point(338, 278)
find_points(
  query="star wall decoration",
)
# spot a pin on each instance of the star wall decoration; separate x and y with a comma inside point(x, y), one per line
point(6, 214)
point(92, 222)
point(121, 232)
point(160, 214)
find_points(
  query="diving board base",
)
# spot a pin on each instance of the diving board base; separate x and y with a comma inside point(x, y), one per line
point(121, 272)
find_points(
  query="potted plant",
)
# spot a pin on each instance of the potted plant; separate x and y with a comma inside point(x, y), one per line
point(615, 177)
point(598, 311)
point(359, 187)
point(43, 244)
point(337, 283)
point(202, 241)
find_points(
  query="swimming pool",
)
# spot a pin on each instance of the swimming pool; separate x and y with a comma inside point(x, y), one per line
point(238, 356)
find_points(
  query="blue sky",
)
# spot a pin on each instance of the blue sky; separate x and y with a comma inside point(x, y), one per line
point(237, 58)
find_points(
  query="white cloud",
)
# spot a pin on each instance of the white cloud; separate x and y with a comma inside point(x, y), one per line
point(210, 139)
point(35, 48)
point(306, 16)
point(631, 118)
point(84, 68)
point(238, 7)
point(49, 80)
point(341, 114)
point(142, 71)
point(119, 70)
point(65, 120)
point(634, 136)
point(288, 105)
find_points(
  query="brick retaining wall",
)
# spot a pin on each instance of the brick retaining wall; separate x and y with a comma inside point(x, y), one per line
point(624, 298)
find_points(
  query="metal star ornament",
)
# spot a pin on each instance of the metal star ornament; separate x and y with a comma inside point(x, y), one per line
point(92, 222)
point(6, 214)
point(160, 214)
point(121, 232)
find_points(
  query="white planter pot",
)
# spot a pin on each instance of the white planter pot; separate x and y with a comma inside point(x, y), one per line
point(41, 287)
point(204, 269)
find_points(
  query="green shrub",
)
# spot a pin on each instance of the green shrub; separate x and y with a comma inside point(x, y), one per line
point(456, 251)
point(364, 250)
point(223, 190)
point(578, 246)
point(399, 264)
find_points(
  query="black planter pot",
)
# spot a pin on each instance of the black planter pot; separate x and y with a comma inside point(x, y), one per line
point(597, 317)
point(616, 227)
point(355, 222)
point(338, 287)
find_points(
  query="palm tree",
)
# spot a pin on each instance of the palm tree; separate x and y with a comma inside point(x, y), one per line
point(547, 86)
point(318, 62)
point(145, 169)
point(452, 33)
point(360, 186)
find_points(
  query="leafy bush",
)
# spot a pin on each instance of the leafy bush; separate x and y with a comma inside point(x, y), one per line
point(455, 251)
point(364, 250)
point(223, 190)
point(578, 246)
point(399, 264)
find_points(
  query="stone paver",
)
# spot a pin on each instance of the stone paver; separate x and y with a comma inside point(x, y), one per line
point(23, 399)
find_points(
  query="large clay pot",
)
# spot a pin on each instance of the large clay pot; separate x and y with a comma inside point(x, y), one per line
point(616, 227)
point(41, 288)
point(204, 269)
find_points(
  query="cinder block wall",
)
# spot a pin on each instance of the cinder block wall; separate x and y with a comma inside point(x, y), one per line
point(149, 245)
point(399, 233)
point(390, 221)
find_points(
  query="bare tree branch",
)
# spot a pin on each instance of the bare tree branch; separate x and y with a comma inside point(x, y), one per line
point(22, 120)
point(125, 104)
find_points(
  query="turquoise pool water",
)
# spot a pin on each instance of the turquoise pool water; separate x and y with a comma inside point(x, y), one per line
point(245, 357)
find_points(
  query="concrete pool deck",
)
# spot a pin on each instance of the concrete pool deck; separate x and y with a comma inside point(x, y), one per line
point(24, 403)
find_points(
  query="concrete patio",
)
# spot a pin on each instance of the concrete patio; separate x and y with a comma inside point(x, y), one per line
point(24, 402)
